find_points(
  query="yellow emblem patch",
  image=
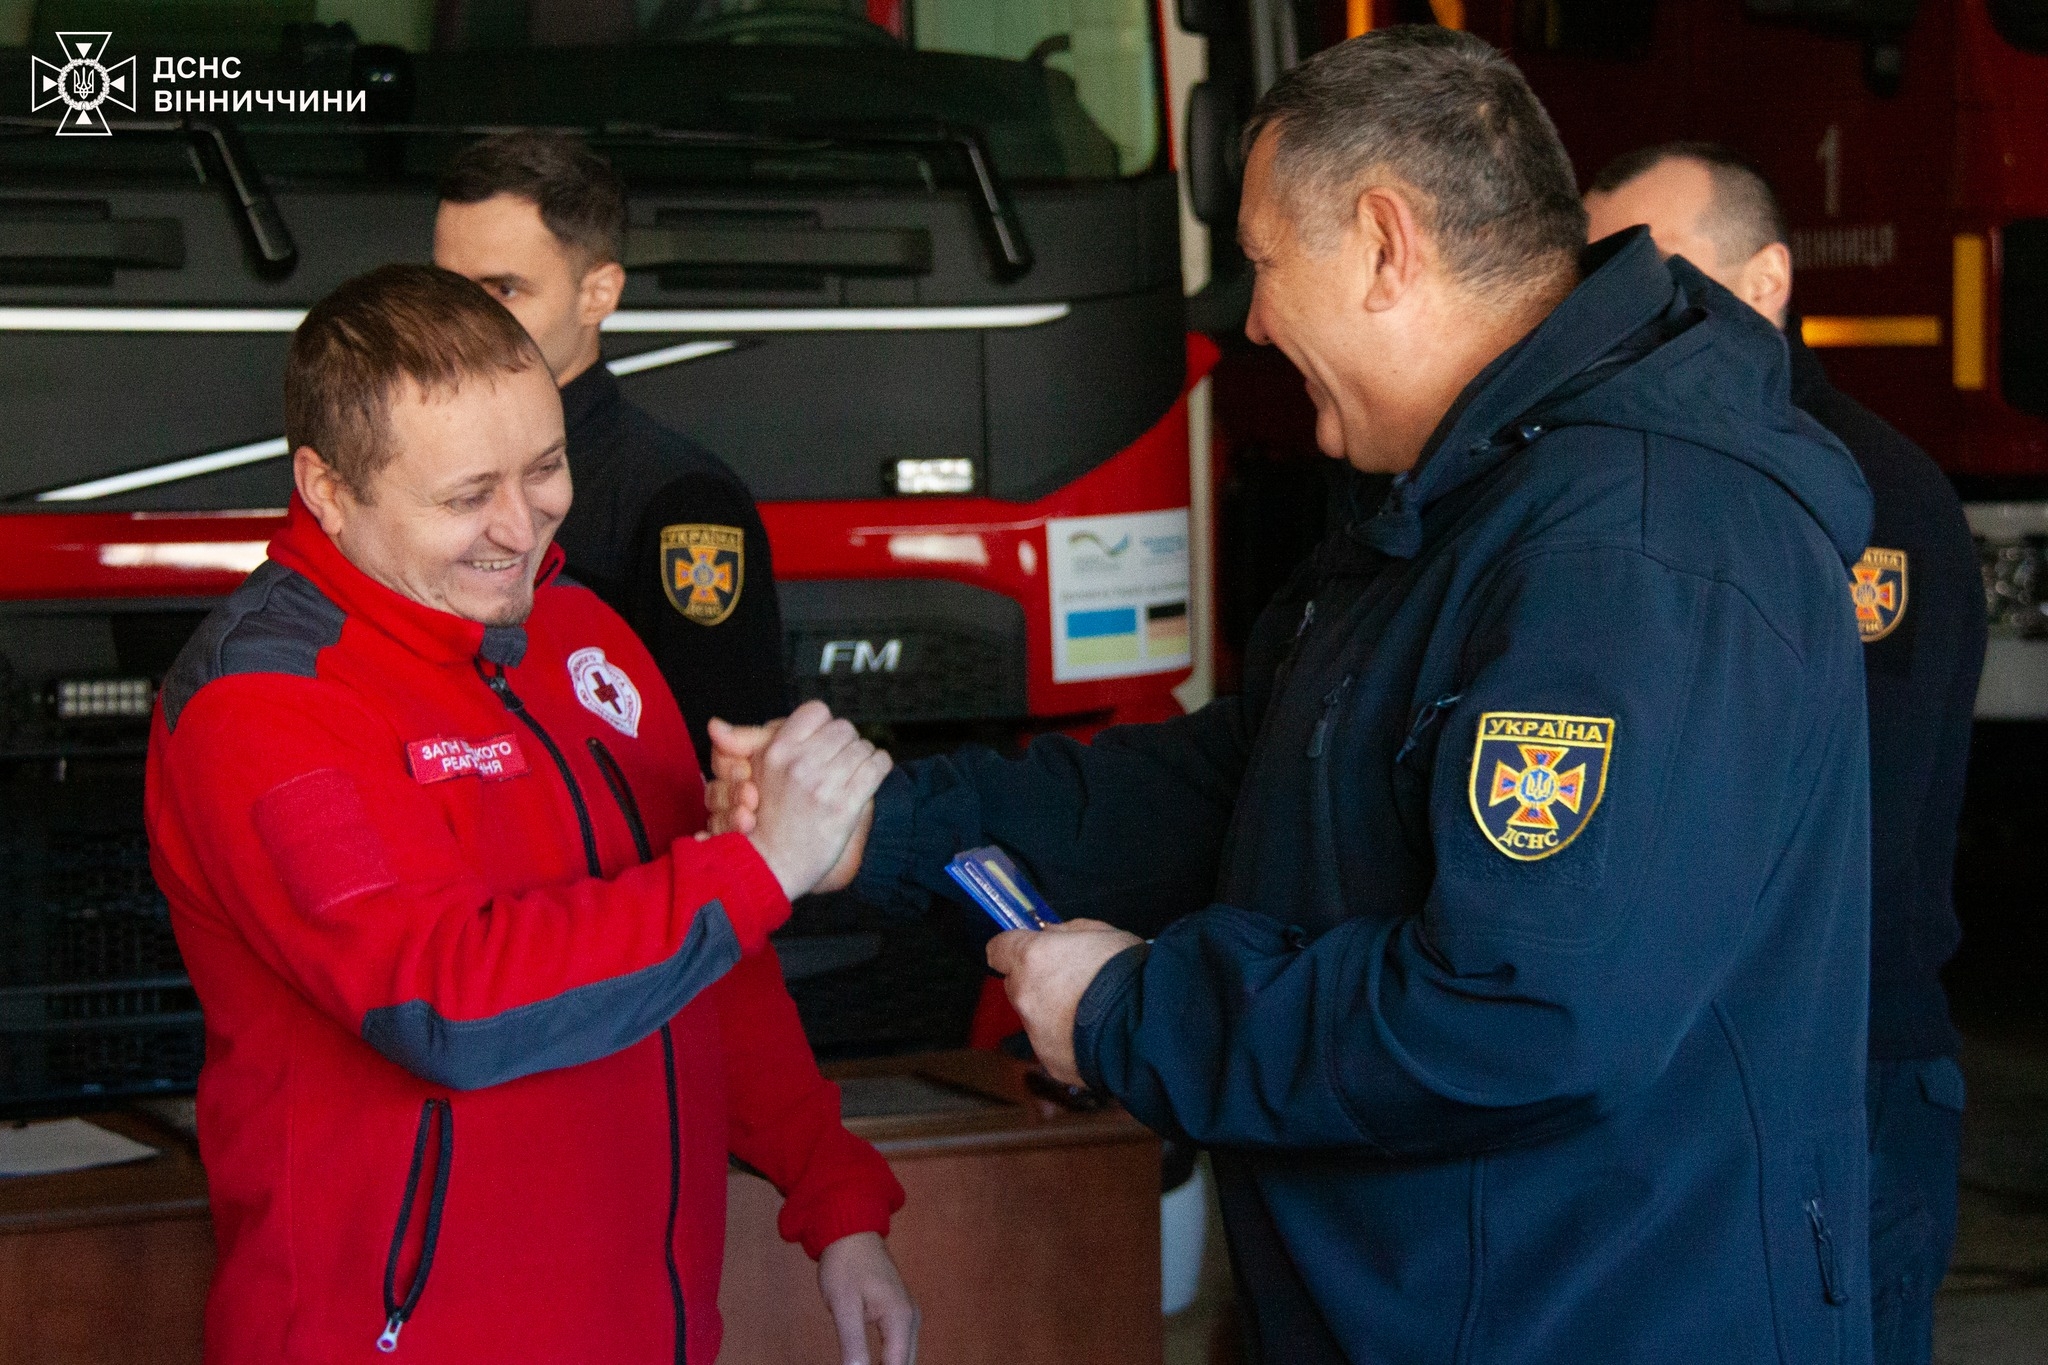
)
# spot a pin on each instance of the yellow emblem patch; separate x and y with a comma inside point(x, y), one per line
point(1877, 585)
point(1537, 779)
point(703, 569)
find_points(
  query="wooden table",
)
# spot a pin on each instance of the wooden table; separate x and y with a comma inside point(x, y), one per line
point(108, 1266)
point(1031, 1236)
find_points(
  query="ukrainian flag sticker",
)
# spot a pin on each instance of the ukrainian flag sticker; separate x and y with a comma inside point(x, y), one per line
point(1537, 779)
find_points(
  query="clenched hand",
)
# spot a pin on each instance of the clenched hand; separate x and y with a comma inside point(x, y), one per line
point(1046, 972)
point(815, 780)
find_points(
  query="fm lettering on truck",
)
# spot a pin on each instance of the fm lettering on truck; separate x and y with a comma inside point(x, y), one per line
point(1120, 596)
point(860, 655)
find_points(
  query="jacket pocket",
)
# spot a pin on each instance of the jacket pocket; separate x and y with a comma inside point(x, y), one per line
point(1414, 768)
point(398, 1309)
point(1818, 1208)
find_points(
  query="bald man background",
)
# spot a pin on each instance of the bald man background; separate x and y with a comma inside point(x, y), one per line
point(1920, 610)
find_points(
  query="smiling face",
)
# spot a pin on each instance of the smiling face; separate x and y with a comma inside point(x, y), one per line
point(1383, 337)
point(1299, 303)
point(460, 517)
point(503, 244)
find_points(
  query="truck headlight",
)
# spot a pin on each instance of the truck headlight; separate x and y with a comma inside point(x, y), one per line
point(103, 698)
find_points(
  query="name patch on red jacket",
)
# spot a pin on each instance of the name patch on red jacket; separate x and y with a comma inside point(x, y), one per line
point(493, 760)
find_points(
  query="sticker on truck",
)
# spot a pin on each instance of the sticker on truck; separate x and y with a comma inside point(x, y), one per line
point(1119, 595)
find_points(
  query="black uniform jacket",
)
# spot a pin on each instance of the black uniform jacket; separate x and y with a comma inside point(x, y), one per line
point(669, 537)
point(1920, 610)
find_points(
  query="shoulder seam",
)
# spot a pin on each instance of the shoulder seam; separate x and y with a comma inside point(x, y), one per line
point(1645, 553)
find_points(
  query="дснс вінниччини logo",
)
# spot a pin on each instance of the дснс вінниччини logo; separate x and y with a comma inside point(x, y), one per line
point(83, 83)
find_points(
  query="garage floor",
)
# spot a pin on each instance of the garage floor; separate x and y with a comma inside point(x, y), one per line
point(1994, 1305)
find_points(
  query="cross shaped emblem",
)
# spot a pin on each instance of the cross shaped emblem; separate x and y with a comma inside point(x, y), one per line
point(1538, 786)
point(704, 576)
point(703, 569)
point(1870, 593)
point(605, 690)
point(1877, 590)
point(1537, 778)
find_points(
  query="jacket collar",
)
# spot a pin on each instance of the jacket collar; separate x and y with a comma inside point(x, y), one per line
point(437, 636)
point(1626, 287)
point(588, 396)
point(1809, 377)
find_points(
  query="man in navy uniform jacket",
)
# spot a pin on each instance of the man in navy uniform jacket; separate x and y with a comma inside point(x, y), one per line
point(1511, 927)
point(662, 530)
point(1919, 599)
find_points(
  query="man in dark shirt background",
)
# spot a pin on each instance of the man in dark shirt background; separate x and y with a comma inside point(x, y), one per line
point(661, 529)
point(1920, 609)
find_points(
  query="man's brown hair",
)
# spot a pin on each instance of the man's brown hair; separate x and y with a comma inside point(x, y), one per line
point(579, 196)
point(399, 323)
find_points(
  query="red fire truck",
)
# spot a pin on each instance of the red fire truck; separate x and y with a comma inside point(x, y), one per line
point(1909, 145)
point(912, 267)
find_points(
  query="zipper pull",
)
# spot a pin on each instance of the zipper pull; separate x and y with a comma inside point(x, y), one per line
point(1308, 618)
point(1425, 721)
point(1321, 737)
point(1824, 1243)
point(494, 678)
point(389, 1341)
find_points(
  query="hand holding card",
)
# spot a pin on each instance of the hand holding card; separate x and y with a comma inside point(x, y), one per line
point(997, 885)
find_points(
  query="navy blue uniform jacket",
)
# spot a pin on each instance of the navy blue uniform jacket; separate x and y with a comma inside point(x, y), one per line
point(639, 486)
point(1923, 651)
point(1482, 1087)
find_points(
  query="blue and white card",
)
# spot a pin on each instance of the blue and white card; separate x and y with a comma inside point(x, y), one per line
point(997, 885)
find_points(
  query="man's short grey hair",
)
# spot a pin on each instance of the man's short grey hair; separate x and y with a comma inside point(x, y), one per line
point(1444, 114)
point(1744, 216)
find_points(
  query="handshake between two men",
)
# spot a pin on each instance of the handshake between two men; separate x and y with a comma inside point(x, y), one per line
point(803, 790)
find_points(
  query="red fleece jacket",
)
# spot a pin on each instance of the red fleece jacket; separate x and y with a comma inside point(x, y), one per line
point(483, 1018)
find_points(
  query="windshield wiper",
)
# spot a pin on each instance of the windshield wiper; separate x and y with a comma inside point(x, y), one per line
point(276, 255)
point(1010, 254)
point(1009, 251)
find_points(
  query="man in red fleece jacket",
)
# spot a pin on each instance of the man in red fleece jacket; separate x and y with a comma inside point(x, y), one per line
point(428, 823)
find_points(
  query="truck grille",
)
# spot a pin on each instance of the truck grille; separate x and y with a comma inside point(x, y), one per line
point(905, 649)
point(94, 1000)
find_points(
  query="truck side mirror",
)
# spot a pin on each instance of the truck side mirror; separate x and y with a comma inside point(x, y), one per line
point(1215, 165)
point(1210, 18)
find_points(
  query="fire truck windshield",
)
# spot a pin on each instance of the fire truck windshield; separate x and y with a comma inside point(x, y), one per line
point(1060, 90)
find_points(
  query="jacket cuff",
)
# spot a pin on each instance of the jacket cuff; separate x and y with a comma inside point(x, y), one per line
point(1102, 1003)
point(887, 854)
point(749, 893)
point(843, 1216)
